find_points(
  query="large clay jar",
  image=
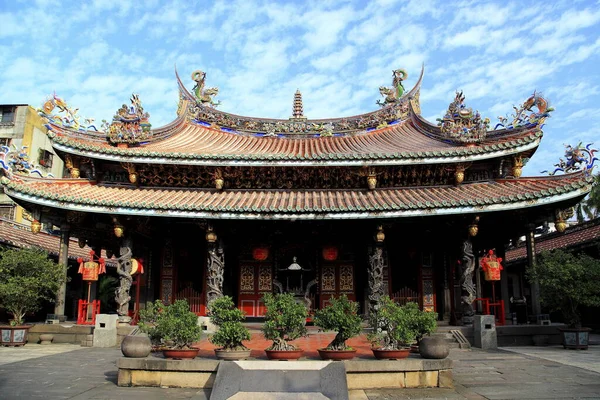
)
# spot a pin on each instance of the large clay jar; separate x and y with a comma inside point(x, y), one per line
point(434, 347)
point(136, 346)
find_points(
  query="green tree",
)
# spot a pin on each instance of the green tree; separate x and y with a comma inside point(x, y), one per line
point(27, 277)
point(285, 320)
point(341, 316)
point(589, 207)
point(173, 326)
point(566, 282)
point(228, 318)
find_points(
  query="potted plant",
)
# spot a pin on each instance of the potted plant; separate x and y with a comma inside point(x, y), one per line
point(285, 321)
point(27, 277)
point(341, 316)
point(566, 282)
point(423, 322)
point(173, 328)
point(230, 334)
point(393, 330)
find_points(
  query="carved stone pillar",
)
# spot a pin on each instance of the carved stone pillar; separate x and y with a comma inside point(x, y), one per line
point(466, 282)
point(122, 296)
point(376, 287)
point(536, 307)
point(214, 272)
point(63, 260)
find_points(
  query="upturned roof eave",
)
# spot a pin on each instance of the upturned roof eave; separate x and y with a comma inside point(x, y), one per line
point(424, 158)
point(209, 203)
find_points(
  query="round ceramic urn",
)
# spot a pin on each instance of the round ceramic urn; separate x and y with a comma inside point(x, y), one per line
point(136, 346)
point(433, 347)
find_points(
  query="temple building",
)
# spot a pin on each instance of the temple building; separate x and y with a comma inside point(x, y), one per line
point(383, 203)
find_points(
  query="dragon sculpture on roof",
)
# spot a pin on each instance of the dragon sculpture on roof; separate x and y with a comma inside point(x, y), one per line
point(204, 96)
point(578, 158)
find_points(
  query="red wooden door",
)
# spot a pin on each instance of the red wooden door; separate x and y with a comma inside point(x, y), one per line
point(336, 279)
point(255, 280)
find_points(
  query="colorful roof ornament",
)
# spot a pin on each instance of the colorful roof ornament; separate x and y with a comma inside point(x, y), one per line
point(578, 158)
point(204, 96)
point(394, 93)
point(13, 160)
point(130, 124)
point(524, 116)
point(66, 116)
point(461, 124)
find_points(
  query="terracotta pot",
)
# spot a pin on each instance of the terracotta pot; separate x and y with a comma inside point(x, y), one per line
point(180, 354)
point(232, 355)
point(434, 348)
point(136, 346)
point(391, 354)
point(336, 355)
point(14, 335)
point(284, 354)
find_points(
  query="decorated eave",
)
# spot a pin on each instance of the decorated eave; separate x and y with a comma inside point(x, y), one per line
point(492, 196)
point(202, 135)
point(19, 235)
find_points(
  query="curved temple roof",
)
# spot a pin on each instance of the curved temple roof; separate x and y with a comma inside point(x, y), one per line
point(510, 194)
point(408, 139)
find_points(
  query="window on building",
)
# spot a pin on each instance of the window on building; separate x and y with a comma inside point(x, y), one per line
point(7, 115)
point(5, 142)
point(7, 212)
point(45, 158)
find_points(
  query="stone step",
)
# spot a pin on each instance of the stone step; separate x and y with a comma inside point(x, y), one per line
point(270, 379)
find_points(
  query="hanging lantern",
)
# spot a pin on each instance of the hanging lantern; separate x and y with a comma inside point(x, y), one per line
point(330, 253)
point(133, 177)
point(560, 225)
point(459, 174)
point(75, 173)
point(491, 266)
point(372, 182)
point(260, 253)
point(118, 230)
point(211, 236)
point(219, 183)
point(91, 269)
point(473, 230)
point(81, 242)
point(380, 236)
point(517, 169)
point(36, 226)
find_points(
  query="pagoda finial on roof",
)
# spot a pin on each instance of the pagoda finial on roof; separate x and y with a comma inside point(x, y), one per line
point(298, 109)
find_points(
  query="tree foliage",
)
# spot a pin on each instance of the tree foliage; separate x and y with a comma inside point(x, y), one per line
point(567, 281)
point(341, 316)
point(173, 326)
point(228, 318)
point(394, 326)
point(285, 320)
point(27, 277)
point(423, 322)
point(589, 207)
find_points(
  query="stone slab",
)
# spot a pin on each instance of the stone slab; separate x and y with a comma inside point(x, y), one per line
point(315, 379)
point(484, 332)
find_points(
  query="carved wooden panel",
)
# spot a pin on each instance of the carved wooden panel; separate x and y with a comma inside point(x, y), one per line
point(328, 278)
point(265, 279)
point(346, 278)
point(247, 279)
point(166, 291)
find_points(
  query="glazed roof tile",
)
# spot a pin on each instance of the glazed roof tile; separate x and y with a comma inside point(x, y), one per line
point(578, 235)
point(473, 197)
point(19, 235)
point(192, 143)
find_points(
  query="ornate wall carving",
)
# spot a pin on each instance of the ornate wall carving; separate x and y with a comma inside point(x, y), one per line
point(346, 278)
point(265, 279)
point(214, 273)
point(328, 278)
point(247, 279)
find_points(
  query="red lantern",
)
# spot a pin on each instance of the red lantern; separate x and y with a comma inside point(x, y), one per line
point(260, 253)
point(491, 266)
point(330, 253)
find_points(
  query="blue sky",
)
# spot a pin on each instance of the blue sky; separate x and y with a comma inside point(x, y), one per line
point(94, 54)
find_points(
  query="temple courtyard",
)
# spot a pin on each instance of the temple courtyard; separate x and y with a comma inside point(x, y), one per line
point(65, 371)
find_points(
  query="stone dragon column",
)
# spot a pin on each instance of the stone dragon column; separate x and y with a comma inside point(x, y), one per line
point(466, 282)
point(122, 296)
point(215, 267)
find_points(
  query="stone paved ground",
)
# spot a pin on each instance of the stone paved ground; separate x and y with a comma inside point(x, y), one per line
point(68, 372)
